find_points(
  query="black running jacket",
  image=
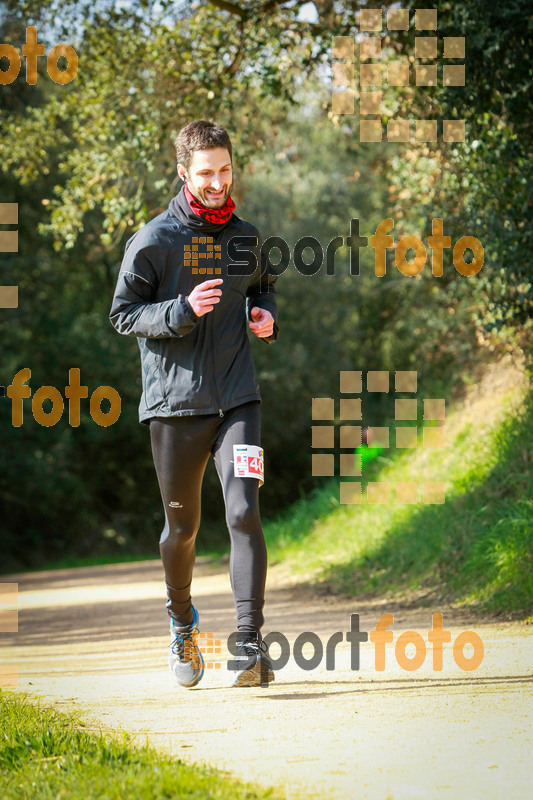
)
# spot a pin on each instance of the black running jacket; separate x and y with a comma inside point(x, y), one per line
point(192, 365)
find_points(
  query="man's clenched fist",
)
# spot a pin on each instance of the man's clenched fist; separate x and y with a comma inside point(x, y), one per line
point(263, 322)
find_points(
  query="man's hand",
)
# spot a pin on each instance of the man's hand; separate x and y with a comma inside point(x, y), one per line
point(204, 296)
point(263, 322)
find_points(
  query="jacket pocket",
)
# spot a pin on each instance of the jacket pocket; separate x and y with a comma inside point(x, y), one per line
point(151, 378)
point(185, 379)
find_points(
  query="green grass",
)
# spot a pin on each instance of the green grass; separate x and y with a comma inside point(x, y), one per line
point(47, 755)
point(475, 549)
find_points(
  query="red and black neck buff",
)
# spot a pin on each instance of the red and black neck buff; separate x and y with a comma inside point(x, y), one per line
point(195, 215)
point(217, 215)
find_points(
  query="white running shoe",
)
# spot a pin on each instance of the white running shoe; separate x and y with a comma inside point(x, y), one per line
point(185, 660)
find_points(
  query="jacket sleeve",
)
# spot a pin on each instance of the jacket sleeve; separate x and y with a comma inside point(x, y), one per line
point(262, 292)
point(132, 311)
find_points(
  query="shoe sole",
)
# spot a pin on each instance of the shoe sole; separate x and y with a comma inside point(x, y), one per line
point(252, 677)
point(193, 683)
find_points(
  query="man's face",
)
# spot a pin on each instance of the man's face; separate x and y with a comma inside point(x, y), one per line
point(209, 177)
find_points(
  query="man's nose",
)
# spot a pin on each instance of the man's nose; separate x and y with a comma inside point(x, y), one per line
point(217, 183)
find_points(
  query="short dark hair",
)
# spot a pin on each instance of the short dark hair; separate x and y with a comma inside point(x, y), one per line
point(200, 135)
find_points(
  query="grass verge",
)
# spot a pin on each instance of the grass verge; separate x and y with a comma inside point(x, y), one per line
point(46, 755)
point(476, 549)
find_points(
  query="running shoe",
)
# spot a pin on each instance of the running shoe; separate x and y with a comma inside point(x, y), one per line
point(185, 660)
point(255, 668)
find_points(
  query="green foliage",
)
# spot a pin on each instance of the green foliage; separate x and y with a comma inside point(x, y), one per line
point(481, 187)
point(139, 81)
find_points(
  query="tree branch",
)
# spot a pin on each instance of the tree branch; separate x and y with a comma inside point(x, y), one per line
point(233, 8)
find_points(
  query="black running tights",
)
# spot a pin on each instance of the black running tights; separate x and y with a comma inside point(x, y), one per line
point(181, 447)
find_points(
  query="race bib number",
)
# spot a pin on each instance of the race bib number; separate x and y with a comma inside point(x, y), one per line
point(248, 462)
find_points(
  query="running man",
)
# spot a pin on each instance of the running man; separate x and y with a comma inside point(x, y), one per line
point(200, 390)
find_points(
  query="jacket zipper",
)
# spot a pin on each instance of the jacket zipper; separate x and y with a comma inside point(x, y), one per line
point(217, 398)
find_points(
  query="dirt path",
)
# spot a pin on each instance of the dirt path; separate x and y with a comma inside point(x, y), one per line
point(338, 733)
